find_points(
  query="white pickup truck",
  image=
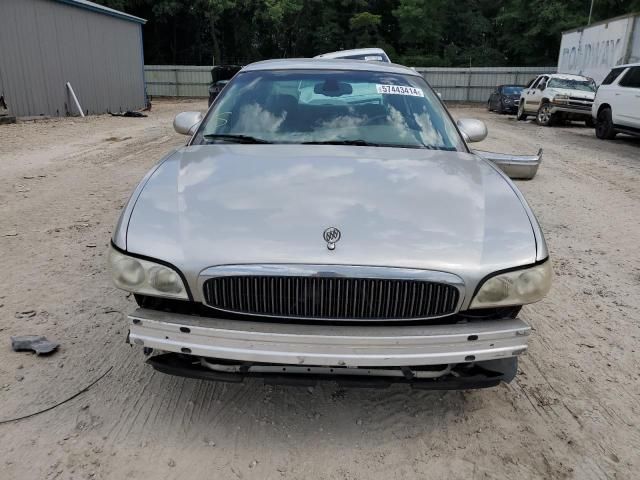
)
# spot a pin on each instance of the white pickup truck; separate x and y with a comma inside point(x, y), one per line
point(553, 98)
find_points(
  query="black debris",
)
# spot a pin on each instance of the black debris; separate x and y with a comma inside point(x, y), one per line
point(36, 343)
point(128, 113)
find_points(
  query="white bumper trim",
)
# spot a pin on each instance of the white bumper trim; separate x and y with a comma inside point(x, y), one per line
point(328, 345)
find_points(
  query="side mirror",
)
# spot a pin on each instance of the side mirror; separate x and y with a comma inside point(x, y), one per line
point(542, 86)
point(472, 130)
point(186, 123)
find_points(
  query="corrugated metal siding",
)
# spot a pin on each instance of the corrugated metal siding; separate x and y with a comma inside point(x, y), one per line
point(177, 80)
point(476, 84)
point(454, 84)
point(44, 44)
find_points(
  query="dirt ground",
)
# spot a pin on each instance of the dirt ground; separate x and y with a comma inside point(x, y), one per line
point(572, 412)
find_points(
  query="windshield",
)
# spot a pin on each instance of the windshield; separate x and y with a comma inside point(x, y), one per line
point(511, 90)
point(584, 85)
point(323, 106)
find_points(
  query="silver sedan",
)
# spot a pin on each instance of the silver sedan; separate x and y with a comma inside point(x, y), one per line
point(326, 219)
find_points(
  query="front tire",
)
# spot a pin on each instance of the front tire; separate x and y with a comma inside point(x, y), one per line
point(604, 125)
point(545, 118)
point(500, 108)
point(489, 105)
point(521, 115)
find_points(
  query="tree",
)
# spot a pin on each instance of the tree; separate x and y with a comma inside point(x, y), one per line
point(415, 32)
point(364, 26)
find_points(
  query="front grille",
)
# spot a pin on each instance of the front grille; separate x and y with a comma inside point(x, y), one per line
point(331, 298)
point(583, 103)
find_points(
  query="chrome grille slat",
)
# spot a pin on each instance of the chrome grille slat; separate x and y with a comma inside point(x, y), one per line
point(331, 298)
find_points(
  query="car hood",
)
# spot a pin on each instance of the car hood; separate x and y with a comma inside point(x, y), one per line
point(238, 204)
point(572, 93)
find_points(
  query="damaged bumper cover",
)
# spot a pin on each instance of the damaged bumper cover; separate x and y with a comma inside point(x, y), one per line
point(518, 167)
point(463, 377)
point(298, 345)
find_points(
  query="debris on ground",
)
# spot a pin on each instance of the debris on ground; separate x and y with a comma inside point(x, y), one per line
point(128, 113)
point(36, 343)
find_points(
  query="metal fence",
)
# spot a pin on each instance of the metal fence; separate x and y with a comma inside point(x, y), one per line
point(177, 80)
point(473, 84)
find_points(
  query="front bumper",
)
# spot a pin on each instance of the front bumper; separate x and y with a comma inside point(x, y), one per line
point(329, 345)
point(571, 111)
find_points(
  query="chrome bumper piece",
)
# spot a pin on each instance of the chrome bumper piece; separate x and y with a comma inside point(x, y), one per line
point(581, 111)
point(325, 345)
point(518, 167)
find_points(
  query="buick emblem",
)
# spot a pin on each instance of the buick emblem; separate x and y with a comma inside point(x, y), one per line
point(331, 235)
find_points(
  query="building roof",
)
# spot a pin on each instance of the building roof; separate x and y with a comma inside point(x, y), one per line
point(94, 7)
point(329, 64)
point(627, 65)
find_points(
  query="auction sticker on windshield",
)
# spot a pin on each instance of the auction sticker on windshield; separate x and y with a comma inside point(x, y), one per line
point(399, 90)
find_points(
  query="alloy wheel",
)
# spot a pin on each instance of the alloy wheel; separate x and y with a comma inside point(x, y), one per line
point(544, 115)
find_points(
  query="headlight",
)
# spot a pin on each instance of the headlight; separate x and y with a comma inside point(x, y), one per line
point(145, 277)
point(561, 99)
point(507, 100)
point(515, 288)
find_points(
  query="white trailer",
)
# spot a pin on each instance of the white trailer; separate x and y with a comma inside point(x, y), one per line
point(593, 50)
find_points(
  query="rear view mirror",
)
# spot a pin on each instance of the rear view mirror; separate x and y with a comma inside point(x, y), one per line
point(472, 130)
point(187, 123)
point(332, 88)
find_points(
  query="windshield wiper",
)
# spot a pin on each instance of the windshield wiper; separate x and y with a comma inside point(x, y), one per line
point(235, 138)
point(363, 143)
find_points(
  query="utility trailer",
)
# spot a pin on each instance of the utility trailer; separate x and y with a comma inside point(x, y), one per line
point(594, 49)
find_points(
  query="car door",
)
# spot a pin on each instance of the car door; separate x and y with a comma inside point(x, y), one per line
point(627, 99)
point(607, 92)
point(529, 95)
point(538, 94)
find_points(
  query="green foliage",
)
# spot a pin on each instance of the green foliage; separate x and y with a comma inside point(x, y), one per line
point(414, 32)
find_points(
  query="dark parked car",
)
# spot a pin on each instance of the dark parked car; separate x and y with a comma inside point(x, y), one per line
point(220, 76)
point(505, 99)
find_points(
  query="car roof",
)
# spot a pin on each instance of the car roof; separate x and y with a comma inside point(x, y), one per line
point(329, 64)
point(354, 51)
point(567, 76)
point(626, 65)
